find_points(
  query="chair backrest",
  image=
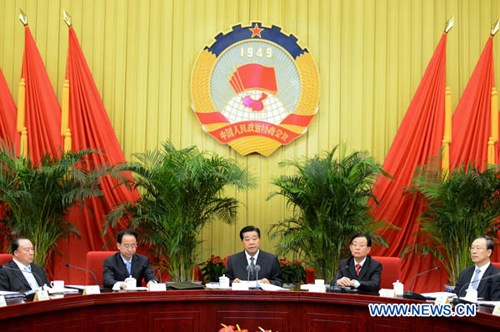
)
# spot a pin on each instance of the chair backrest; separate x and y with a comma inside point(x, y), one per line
point(496, 264)
point(391, 270)
point(95, 261)
point(5, 258)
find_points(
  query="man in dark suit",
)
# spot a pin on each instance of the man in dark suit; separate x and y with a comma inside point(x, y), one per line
point(238, 265)
point(482, 277)
point(20, 274)
point(359, 271)
point(126, 263)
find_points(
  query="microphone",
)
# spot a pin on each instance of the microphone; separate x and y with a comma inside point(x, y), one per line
point(333, 285)
point(435, 268)
point(249, 270)
point(468, 283)
point(83, 269)
point(257, 269)
point(156, 270)
point(415, 296)
point(38, 279)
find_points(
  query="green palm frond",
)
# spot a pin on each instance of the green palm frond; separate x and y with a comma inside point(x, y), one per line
point(181, 191)
point(328, 198)
point(40, 196)
point(459, 208)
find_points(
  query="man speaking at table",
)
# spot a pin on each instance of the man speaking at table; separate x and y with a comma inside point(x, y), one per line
point(243, 265)
point(126, 263)
point(359, 271)
point(20, 274)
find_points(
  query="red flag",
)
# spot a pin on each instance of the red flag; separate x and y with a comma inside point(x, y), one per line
point(90, 128)
point(254, 76)
point(418, 139)
point(471, 120)
point(8, 115)
point(43, 114)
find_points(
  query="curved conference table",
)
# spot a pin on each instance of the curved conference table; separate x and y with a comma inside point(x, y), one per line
point(204, 310)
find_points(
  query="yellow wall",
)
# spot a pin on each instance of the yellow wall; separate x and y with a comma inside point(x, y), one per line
point(371, 55)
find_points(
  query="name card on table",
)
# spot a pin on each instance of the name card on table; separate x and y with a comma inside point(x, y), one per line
point(41, 295)
point(442, 300)
point(3, 303)
point(90, 290)
point(387, 292)
point(239, 286)
point(154, 287)
point(496, 310)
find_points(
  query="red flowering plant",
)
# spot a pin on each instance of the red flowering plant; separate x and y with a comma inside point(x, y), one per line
point(231, 328)
point(212, 269)
point(292, 272)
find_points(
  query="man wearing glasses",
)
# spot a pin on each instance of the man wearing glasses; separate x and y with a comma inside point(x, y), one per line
point(127, 263)
point(359, 271)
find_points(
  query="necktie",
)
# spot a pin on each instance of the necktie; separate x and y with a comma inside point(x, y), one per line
point(129, 267)
point(475, 279)
point(31, 278)
point(358, 269)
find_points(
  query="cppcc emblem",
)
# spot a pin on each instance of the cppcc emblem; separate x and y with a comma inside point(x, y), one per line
point(255, 89)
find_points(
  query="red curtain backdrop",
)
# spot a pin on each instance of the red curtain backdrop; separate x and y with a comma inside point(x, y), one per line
point(8, 115)
point(417, 141)
point(8, 134)
point(90, 128)
point(472, 118)
point(43, 114)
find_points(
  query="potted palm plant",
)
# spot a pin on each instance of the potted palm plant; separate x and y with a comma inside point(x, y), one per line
point(36, 198)
point(459, 207)
point(328, 200)
point(181, 190)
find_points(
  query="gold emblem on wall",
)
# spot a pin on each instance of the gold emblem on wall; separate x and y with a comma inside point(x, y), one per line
point(255, 89)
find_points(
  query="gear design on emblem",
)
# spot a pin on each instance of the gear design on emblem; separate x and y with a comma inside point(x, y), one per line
point(255, 88)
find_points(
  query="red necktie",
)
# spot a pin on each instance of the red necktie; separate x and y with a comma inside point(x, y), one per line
point(358, 269)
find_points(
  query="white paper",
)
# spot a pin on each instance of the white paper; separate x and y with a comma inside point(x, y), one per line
point(270, 287)
point(440, 294)
point(135, 289)
point(157, 287)
point(63, 290)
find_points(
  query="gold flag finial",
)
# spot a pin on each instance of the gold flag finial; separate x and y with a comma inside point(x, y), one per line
point(23, 18)
point(448, 25)
point(67, 18)
point(495, 27)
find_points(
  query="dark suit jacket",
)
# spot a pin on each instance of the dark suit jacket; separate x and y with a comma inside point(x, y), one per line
point(369, 277)
point(269, 267)
point(115, 270)
point(12, 278)
point(488, 289)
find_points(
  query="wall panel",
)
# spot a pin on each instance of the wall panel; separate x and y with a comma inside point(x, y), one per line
point(371, 55)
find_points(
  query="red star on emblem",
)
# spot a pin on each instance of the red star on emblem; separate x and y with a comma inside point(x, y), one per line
point(256, 31)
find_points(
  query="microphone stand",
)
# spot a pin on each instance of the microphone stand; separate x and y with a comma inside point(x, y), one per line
point(31, 293)
point(415, 296)
point(249, 269)
point(257, 269)
point(459, 298)
point(68, 265)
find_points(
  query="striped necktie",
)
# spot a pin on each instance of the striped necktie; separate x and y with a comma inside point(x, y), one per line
point(358, 269)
